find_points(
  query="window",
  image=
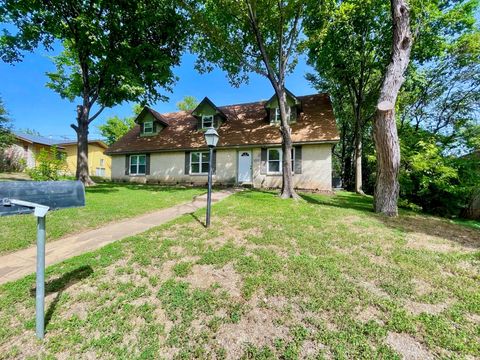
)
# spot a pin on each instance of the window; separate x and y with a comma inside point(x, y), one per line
point(99, 171)
point(137, 164)
point(277, 118)
point(274, 160)
point(277, 115)
point(199, 162)
point(102, 163)
point(207, 121)
point(148, 127)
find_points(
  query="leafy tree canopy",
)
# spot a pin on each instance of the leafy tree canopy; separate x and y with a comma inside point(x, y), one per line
point(115, 127)
point(6, 137)
point(188, 103)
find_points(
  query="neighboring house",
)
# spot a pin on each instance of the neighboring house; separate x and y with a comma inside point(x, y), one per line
point(99, 164)
point(29, 146)
point(170, 148)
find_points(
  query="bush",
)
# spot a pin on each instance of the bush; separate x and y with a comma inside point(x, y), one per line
point(11, 160)
point(50, 165)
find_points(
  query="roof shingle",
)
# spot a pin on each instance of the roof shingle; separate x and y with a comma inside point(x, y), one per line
point(246, 125)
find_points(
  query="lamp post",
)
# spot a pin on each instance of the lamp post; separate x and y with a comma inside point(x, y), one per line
point(211, 137)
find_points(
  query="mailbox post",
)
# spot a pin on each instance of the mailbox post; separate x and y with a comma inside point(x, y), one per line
point(21, 197)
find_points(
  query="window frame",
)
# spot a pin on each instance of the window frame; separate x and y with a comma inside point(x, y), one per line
point(200, 162)
point(203, 121)
point(151, 127)
point(280, 172)
point(137, 173)
point(277, 117)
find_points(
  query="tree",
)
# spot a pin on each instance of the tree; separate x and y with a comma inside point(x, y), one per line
point(188, 103)
point(248, 36)
point(6, 137)
point(350, 45)
point(384, 127)
point(115, 127)
point(30, 131)
point(347, 47)
point(112, 52)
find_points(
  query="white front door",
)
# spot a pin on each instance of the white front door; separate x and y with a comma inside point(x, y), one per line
point(245, 166)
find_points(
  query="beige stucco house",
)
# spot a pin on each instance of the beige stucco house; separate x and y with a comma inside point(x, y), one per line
point(170, 148)
point(28, 146)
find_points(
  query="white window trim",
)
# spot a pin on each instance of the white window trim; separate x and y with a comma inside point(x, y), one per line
point(137, 165)
point(151, 128)
point(277, 117)
point(199, 162)
point(203, 119)
point(281, 161)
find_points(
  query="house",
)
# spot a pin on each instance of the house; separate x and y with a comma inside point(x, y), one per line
point(99, 164)
point(170, 148)
point(27, 147)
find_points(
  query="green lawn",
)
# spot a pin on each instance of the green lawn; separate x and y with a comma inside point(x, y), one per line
point(271, 278)
point(104, 203)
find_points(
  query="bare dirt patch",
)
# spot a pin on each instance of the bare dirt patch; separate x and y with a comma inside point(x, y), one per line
point(204, 276)
point(442, 235)
point(416, 308)
point(366, 314)
point(407, 347)
point(257, 327)
point(420, 241)
point(310, 349)
point(372, 288)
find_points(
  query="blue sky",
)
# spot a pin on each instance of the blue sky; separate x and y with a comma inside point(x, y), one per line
point(31, 105)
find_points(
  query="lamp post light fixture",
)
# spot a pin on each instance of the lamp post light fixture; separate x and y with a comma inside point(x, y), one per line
point(211, 138)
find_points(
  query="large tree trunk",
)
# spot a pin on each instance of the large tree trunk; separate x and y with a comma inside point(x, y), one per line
point(385, 127)
point(82, 145)
point(288, 190)
point(358, 153)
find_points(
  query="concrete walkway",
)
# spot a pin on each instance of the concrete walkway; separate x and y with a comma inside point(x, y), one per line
point(21, 263)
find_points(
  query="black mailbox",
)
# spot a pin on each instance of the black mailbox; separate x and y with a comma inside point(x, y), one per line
point(52, 194)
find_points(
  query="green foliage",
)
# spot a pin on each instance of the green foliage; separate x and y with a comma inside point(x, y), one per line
point(437, 182)
point(188, 103)
point(112, 51)
point(115, 127)
point(6, 137)
point(50, 165)
point(225, 37)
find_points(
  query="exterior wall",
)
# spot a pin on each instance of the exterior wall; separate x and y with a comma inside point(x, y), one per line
point(95, 155)
point(169, 168)
point(316, 170)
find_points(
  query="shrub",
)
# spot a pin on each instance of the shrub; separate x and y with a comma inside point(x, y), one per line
point(50, 165)
point(12, 160)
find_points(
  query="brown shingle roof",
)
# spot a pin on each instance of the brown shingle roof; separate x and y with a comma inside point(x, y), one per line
point(246, 125)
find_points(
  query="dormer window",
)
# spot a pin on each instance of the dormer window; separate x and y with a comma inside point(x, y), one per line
point(207, 121)
point(208, 115)
point(148, 127)
point(277, 117)
point(293, 106)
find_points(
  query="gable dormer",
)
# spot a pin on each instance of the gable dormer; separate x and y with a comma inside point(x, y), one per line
point(150, 121)
point(208, 115)
point(273, 109)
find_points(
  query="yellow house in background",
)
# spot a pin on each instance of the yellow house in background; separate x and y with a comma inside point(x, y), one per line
point(99, 164)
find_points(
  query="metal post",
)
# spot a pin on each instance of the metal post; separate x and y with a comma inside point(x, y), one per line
point(209, 194)
point(40, 291)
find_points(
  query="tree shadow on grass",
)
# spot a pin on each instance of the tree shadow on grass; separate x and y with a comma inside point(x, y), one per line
point(195, 217)
point(408, 222)
point(350, 201)
point(61, 284)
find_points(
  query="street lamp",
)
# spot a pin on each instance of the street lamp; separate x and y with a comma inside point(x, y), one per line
point(211, 137)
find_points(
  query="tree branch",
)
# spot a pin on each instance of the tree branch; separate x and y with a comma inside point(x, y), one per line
point(96, 114)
